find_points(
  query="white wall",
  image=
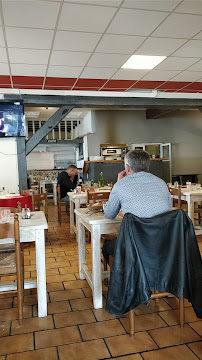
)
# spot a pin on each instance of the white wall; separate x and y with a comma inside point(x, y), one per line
point(182, 128)
point(85, 126)
point(9, 165)
point(40, 161)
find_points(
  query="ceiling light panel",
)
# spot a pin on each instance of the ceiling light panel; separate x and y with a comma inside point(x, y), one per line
point(143, 62)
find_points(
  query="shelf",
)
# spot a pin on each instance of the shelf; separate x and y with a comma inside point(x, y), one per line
point(120, 161)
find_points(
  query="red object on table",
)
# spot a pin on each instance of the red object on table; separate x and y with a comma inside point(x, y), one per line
point(13, 201)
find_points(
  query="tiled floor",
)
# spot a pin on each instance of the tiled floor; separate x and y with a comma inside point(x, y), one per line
point(73, 330)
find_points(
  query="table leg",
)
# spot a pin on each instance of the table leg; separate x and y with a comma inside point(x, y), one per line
point(190, 204)
point(71, 217)
point(81, 246)
point(55, 193)
point(41, 273)
point(96, 267)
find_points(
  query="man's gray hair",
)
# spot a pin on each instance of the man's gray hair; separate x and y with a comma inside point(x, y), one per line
point(138, 160)
point(72, 167)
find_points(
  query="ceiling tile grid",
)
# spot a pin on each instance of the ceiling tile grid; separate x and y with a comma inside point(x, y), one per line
point(82, 44)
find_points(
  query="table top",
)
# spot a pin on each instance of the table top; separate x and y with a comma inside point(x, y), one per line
point(9, 196)
point(37, 220)
point(96, 218)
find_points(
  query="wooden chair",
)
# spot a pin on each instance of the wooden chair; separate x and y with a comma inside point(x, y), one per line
point(93, 197)
point(177, 202)
point(30, 191)
point(11, 262)
point(60, 203)
point(38, 200)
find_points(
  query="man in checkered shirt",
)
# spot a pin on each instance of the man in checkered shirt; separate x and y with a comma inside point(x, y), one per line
point(137, 191)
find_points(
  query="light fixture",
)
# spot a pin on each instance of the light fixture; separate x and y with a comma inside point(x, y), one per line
point(143, 62)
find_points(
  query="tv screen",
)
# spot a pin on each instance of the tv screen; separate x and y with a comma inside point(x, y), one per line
point(12, 120)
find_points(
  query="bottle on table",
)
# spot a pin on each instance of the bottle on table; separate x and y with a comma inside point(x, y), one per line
point(102, 183)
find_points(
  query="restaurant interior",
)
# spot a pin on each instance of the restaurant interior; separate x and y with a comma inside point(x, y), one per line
point(83, 82)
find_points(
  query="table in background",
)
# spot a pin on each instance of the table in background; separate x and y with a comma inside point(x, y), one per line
point(190, 196)
point(43, 184)
point(33, 230)
point(76, 200)
point(97, 224)
point(11, 200)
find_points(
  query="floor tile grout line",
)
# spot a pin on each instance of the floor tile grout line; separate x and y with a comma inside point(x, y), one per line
point(107, 347)
point(187, 345)
point(79, 330)
point(57, 352)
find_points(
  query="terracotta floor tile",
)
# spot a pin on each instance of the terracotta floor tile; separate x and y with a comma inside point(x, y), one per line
point(174, 353)
point(4, 328)
point(174, 335)
point(61, 264)
point(55, 308)
point(66, 295)
point(144, 322)
point(55, 287)
point(75, 284)
point(55, 254)
point(28, 300)
point(129, 357)
point(81, 304)
point(172, 316)
point(196, 348)
point(32, 324)
point(102, 315)
point(152, 307)
point(87, 291)
point(12, 314)
point(56, 337)
point(74, 318)
point(101, 329)
point(123, 344)
point(43, 354)
point(17, 343)
point(6, 303)
point(59, 278)
point(174, 302)
point(197, 326)
point(68, 269)
point(93, 350)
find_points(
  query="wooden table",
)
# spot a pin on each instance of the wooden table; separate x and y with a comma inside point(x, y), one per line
point(97, 224)
point(191, 196)
point(33, 230)
point(76, 200)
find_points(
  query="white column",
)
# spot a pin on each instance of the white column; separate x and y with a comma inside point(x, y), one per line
point(81, 246)
point(96, 267)
point(41, 273)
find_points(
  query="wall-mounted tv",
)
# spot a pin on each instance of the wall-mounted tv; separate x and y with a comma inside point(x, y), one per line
point(12, 120)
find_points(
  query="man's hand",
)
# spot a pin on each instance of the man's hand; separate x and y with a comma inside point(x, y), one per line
point(121, 175)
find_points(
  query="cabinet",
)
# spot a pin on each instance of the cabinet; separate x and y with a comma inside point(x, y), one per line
point(161, 153)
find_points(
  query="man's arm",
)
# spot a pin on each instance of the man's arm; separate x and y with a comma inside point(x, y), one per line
point(113, 205)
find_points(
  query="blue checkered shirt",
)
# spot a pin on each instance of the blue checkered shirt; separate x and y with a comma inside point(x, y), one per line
point(142, 194)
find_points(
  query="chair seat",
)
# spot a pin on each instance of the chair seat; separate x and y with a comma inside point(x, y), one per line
point(7, 263)
point(108, 237)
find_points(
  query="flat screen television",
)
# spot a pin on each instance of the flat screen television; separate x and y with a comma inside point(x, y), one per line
point(12, 120)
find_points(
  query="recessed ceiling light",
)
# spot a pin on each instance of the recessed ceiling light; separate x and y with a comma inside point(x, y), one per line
point(143, 62)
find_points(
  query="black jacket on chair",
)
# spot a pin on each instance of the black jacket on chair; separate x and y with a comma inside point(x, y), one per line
point(159, 253)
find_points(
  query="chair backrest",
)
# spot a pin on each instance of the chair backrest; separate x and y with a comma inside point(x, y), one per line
point(93, 197)
point(176, 192)
point(30, 191)
point(37, 202)
point(9, 230)
point(12, 209)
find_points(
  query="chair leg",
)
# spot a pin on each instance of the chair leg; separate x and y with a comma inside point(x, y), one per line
point(131, 323)
point(105, 269)
point(156, 300)
point(182, 312)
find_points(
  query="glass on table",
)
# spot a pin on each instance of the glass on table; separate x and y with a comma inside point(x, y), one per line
point(5, 215)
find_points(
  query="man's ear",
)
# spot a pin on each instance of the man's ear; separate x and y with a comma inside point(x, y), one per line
point(127, 168)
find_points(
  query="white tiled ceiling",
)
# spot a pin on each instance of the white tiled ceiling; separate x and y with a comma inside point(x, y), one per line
point(135, 22)
point(92, 39)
